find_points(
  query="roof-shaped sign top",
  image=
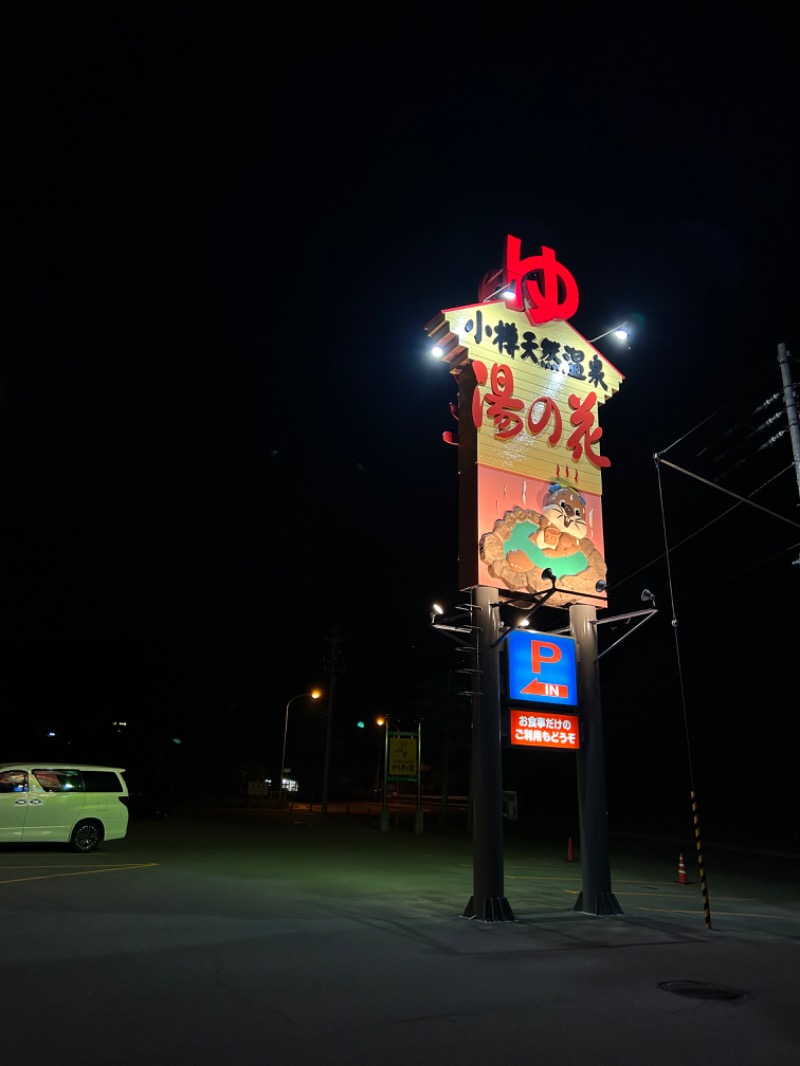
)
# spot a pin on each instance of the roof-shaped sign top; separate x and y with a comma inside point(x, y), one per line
point(496, 332)
point(530, 291)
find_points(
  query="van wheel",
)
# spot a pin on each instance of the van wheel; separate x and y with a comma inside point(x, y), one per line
point(86, 836)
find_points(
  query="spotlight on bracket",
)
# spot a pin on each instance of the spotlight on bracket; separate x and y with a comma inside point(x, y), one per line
point(601, 586)
point(449, 625)
point(548, 575)
point(648, 597)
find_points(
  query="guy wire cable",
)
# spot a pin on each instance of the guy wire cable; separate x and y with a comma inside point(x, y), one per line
point(711, 522)
point(695, 817)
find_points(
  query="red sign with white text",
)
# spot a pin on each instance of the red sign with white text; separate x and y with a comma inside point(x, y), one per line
point(528, 730)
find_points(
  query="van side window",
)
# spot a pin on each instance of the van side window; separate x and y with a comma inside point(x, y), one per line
point(101, 781)
point(13, 781)
point(51, 780)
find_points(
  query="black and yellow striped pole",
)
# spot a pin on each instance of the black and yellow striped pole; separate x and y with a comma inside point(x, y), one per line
point(700, 864)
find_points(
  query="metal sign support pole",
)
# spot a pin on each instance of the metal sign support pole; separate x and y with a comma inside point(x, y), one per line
point(488, 902)
point(596, 896)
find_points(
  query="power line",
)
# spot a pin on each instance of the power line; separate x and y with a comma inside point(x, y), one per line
point(747, 569)
point(702, 529)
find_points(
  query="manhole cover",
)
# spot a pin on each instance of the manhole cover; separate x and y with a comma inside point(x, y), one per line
point(701, 990)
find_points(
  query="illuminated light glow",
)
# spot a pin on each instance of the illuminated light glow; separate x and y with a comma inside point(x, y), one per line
point(620, 333)
point(437, 351)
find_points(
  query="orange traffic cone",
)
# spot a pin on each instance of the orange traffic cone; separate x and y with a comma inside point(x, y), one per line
point(570, 852)
point(682, 878)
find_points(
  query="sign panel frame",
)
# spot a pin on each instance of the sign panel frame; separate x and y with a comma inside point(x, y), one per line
point(529, 391)
point(536, 729)
point(403, 764)
point(542, 668)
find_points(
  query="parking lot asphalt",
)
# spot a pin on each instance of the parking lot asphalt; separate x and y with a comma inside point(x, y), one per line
point(296, 936)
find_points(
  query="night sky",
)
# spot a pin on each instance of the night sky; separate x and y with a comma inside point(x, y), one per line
point(221, 424)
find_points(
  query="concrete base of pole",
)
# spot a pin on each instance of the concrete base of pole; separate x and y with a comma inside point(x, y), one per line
point(383, 823)
point(419, 821)
point(489, 909)
point(605, 903)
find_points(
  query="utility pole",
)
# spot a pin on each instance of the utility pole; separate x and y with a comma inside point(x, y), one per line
point(784, 356)
point(335, 666)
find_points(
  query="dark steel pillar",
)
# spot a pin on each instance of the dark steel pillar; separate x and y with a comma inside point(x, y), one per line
point(488, 902)
point(596, 896)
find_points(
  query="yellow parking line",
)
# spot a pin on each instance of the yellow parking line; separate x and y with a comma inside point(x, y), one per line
point(77, 873)
point(71, 865)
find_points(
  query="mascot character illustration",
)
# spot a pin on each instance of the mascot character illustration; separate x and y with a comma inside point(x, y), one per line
point(518, 544)
point(563, 521)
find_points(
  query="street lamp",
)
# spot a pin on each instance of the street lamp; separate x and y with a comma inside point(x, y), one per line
point(622, 332)
point(384, 822)
point(314, 695)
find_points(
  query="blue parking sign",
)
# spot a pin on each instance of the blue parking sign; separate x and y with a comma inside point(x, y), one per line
point(541, 668)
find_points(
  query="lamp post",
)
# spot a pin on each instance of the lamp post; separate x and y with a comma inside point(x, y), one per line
point(314, 695)
point(384, 821)
point(419, 821)
point(622, 332)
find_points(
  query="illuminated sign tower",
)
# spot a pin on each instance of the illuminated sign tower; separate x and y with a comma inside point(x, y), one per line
point(530, 464)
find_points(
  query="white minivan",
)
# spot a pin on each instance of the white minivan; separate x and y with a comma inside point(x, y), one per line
point(62, 803)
